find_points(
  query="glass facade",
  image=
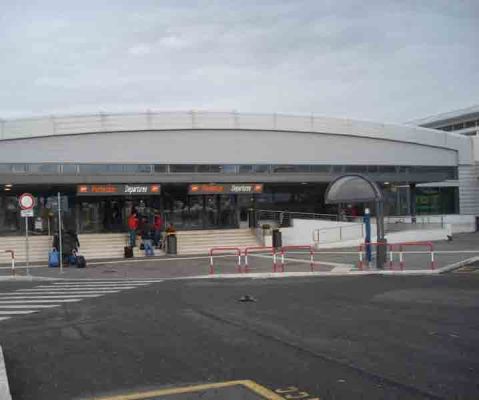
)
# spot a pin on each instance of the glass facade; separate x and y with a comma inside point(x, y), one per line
point(399, 173)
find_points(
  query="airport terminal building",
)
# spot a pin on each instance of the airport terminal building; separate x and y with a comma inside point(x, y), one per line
point(205, 170)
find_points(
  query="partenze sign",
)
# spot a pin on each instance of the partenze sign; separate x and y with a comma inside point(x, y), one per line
point(119, 189)
point(225, 188)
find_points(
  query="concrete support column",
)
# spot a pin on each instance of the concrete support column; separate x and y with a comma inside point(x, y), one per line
point(412, 202)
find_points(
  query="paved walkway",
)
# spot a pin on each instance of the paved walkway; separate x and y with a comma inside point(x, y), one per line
point(464, 246)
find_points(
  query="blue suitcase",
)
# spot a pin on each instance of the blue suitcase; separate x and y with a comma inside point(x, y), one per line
point(53, 258)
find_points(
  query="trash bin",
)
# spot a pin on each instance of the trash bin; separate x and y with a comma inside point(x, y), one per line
point(277, 239)
point(171, 244)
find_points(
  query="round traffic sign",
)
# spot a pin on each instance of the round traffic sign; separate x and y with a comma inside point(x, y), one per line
point(26, 201)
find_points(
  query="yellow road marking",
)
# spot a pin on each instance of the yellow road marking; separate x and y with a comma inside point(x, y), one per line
point(261, 390)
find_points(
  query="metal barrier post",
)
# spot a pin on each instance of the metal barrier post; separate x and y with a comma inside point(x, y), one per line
point(360, 257)
point(12, 255)
point(430, 245)
point(248, 249)
point(401, 258)
point(211, 251)
point(308, 247)
point(212, 268)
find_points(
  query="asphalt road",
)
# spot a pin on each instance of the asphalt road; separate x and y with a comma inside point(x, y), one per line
point(373, 337)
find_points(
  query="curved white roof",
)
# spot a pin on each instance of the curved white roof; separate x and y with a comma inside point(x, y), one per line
point(188, 120)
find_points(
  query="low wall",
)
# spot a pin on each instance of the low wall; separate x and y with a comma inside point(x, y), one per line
point(301, 231)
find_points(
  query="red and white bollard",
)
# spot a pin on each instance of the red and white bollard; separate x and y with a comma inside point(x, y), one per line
point(12, 255)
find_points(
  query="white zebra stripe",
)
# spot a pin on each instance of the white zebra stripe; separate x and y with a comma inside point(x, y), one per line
point(4, 318)
point(19, 312)
point(38, 301)
point(88, 287)
point(50, 297)
point(99, 284)
point(64, 292)
point(30, 306)
point(110, 281)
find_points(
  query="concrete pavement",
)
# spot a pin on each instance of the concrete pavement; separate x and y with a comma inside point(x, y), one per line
point(373, 337)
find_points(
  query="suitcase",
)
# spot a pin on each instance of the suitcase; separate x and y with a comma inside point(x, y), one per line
point(81, 261)
point(128, 251)
point(53, 258)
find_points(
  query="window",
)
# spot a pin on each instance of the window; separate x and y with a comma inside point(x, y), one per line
point(290, 168)
point(337, 169)
point(138, 168)
point(5, 168)
point(246, 169)
point(470, 124)
point(320, 168)
point(160, 168)
point(387, 169)
point(456, 127)
point(69, 169)
point(261, 169)
point(229, 168)
point(182, 168)
point(45, 168)
point(356, 168)
point(19, 168)
point(101, 169)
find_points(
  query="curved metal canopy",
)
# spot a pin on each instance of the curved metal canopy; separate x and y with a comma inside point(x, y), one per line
point(352, 188)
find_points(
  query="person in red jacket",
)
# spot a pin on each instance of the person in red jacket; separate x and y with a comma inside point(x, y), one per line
point(132, 228)
point(157, 227)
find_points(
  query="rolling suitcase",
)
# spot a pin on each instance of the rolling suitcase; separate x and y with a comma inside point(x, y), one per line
point(53, 258)
point(128, 252)
point(81, 261)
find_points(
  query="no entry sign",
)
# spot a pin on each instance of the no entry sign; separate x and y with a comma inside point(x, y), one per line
point(26, 201)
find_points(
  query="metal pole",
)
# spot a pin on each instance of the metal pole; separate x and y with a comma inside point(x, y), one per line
point(27, 247)
point(60, 233)
point(367, 228)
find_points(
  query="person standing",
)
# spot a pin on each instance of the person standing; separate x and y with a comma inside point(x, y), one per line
point(157, 226)
point(146, 237)
point(132, 228)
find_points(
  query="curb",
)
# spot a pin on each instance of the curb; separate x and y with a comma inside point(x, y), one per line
point(279, 275)
point(459, 264)
point(4, 388)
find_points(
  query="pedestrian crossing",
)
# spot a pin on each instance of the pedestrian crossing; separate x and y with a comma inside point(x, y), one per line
point(46, 296)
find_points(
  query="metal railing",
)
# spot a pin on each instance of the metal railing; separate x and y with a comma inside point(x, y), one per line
point(407, 222)
point(338, 233)
point(284, 218)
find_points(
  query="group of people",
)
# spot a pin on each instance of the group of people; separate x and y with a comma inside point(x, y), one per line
point(150, 232)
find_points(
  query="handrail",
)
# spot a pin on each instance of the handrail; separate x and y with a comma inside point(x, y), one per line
point(340, 228)
point(211, 252)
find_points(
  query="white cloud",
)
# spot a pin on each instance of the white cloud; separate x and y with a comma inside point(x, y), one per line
point(387, 61)
point(139, 50)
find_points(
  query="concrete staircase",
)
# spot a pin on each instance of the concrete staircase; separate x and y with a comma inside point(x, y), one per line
point(199, 242)
point(110, 245)
point(102, 245)
point(38, 248)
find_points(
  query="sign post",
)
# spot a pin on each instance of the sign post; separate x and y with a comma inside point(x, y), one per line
point(60, 249)
point(26, 202)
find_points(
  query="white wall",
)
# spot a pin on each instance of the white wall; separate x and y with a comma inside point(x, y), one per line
point(301, 231)
point(223, 146)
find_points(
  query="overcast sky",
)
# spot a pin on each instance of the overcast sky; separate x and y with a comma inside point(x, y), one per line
point(376, 60)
